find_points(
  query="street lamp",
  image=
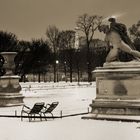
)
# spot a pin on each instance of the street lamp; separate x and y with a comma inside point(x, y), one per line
point(57, 64)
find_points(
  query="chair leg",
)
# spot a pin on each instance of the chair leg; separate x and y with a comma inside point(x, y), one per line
point(45, 116)
point(52, 116)
point(30, 117)
point(40, 117)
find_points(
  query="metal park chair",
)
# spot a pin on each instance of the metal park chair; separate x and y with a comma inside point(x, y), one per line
point(49, 108)
point(35, 110)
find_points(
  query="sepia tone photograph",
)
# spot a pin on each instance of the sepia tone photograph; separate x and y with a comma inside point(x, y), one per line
point(69, 70)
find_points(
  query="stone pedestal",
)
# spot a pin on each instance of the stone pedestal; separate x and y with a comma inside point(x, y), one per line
point(9, 83)
point(117, 89)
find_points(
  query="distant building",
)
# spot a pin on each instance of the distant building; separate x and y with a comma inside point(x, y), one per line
point(96, 43)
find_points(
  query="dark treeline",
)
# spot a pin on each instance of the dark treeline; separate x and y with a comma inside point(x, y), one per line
point(58, 52)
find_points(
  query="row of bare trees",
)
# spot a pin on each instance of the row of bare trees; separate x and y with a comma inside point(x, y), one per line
point(65, 39)
point(88, 25)
point(37, 55)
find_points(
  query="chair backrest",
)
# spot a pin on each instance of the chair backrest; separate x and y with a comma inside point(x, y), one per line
point(37, 108)
point(51, 107)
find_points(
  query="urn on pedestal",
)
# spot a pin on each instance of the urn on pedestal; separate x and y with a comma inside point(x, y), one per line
point(9, 83)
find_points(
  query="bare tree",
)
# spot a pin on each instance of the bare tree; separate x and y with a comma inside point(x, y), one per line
point(52, 35)
point(88, 25)
point(66, 44)
point(135, 30)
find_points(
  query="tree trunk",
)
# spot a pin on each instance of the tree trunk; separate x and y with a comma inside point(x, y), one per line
point(54, 72)
point(78, 74)
point(39, 77)
point(71, 68)
point(89, 63)
point(24, 78)
point(65, 72)
point(70, 72)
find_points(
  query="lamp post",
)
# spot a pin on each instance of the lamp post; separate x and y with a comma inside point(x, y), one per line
point(65, 70)
point(57, 64)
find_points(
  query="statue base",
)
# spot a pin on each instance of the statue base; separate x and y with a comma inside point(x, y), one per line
point(10, 91)
point(117, 89)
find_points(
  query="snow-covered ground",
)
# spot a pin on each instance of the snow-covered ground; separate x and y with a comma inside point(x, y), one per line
point(72, 128)
point(72, 99)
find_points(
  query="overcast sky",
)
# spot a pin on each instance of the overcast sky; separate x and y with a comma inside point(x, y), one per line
point(29, 18)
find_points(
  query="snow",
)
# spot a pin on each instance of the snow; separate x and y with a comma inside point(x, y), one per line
point(72, 99)
point(72, 128)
